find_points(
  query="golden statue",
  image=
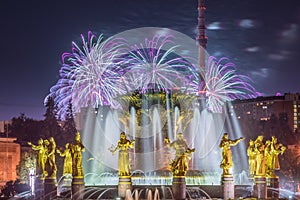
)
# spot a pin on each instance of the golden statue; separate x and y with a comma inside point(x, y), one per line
point(179, 165)
point(76, 153)
point(50, 165)
point(259, 149)
point(40, 169)
point(251, 158)
point(272, 150)
point(67, 160)
point(45, 158)
point(225, 144)
point(178, 145)
point(268, 157)
point(123, 148)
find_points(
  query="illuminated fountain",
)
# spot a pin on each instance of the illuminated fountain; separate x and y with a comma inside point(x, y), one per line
point(150, 91)
point(151, 83)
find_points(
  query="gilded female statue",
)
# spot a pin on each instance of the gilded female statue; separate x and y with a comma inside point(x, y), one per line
point(225, 145)
point(51, 163)
point(272, 161)
point(67, 159)
point(251, 158)
point(123, 147)
point(179, 165)
point(179, 145)
point(76, 153)
point(259, 149)
point(40, 170)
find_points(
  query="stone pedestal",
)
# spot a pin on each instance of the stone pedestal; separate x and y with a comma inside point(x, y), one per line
point(124, 185)
point(228, 186)
point(77, 188)
point(50, 186)
point(260, 188)
point(179, 187)
point(273, 185)
point(39, 188)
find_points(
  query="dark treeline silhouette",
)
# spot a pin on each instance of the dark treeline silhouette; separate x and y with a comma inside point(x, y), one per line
point(26, 129)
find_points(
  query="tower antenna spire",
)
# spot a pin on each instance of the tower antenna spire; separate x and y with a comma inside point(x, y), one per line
point(201, 37)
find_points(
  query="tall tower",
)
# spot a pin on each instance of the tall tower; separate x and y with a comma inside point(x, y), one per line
point(201, 37)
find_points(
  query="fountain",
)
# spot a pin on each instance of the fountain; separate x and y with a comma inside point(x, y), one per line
point(138, 83)
point(151, 111)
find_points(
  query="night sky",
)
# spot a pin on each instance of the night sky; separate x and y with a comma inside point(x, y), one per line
point(260, 36)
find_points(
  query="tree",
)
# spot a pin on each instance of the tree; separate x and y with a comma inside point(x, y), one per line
point(27, 162)
point(69, 127)
point(51, 126)
point(24, 128)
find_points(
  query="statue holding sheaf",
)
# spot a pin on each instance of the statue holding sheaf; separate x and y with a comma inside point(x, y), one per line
point(272, 150)
point(259, 150)
point(123, 147)
point(251, 158)
point(67, 160)
point(179, 165)
point(76, 152)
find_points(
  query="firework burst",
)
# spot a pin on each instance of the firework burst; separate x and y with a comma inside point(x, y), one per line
point(156, 66)
point(90, 73)
point(222, 84)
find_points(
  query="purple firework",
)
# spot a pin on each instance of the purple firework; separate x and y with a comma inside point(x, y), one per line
point(90, 73)
point(155, 65)
point(222, 84)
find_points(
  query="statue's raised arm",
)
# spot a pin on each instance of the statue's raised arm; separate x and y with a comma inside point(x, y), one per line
point(225, 145)
point(40, 148)
point(179, 165)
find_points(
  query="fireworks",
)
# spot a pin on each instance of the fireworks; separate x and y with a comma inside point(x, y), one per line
point(97, 71)
point(90, 73)
point(155, 66)
point(222, 84)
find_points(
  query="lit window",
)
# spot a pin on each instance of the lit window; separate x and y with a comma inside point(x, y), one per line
point(248, 113)
point(265, 107)
point(264, 119)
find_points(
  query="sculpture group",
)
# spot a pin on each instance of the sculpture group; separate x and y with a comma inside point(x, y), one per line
point(46, 165)
point(262, 160)
point(179, 165)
